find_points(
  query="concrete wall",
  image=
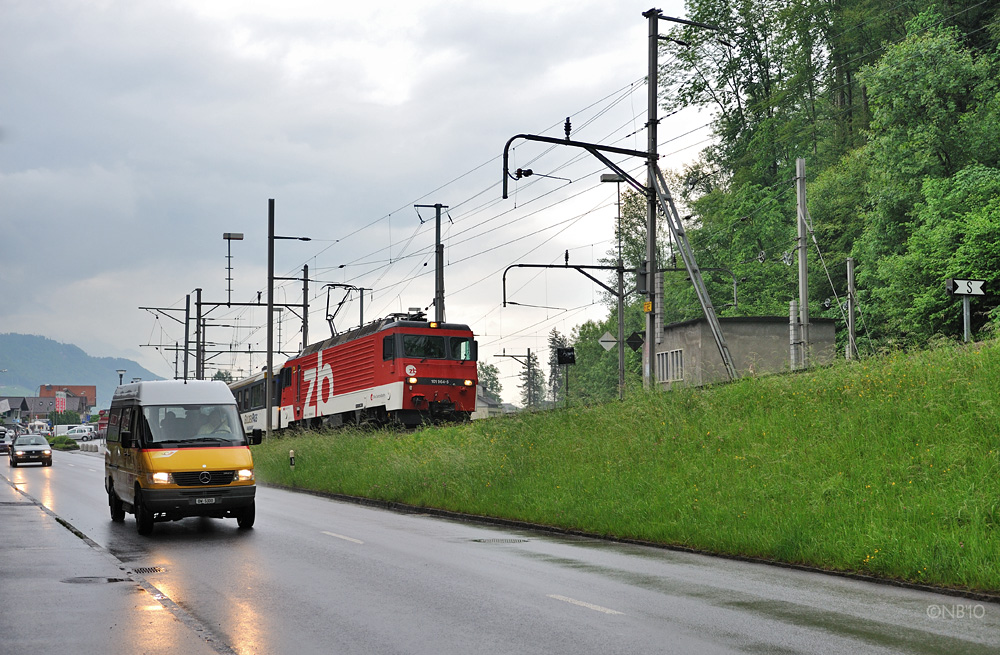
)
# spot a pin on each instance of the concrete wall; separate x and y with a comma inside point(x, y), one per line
point(758, 345)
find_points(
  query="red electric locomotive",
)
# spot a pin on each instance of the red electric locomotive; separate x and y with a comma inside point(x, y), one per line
point(402, 369)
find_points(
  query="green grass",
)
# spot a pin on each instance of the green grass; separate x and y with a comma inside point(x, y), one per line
point(888, 467)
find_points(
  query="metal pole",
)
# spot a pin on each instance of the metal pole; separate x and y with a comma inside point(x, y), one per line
point(621, 330)
point(305, 306)
point(268, 382)
point(531, 387)
point(198, 337)
point(187, 332)
point(793, 335)
point(852, 343)
point(967, 316)
point(621, 302)
point(439, 264)
point(652, 82)
point(800, 193)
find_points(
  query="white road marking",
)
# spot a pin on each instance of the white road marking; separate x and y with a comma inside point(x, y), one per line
point(589, 606)
point(340, 536)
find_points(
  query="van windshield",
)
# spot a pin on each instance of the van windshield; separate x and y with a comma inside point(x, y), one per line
point(180, 425)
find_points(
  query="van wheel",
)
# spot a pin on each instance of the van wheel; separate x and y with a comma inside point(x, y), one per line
point(117, 509)
point(143, 517)
point(245, 517)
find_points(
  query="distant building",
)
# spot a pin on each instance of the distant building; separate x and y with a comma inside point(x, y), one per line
point(486, 406)
point(88, 392)
point(22, 409)
point(688, 355)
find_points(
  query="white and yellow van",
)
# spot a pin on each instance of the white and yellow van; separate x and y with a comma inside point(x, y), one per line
point(176, 449)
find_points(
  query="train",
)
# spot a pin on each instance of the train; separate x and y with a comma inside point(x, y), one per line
point(401, 370)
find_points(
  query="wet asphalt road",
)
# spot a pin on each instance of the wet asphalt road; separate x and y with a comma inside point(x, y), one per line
point(321, 576)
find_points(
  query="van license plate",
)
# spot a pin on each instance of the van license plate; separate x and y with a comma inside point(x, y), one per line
point(204, 501)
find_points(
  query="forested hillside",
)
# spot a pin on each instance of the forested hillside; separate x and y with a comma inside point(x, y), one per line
point(896, 109)
point(31, 361)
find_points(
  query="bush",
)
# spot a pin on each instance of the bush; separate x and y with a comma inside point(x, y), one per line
point(62, 442)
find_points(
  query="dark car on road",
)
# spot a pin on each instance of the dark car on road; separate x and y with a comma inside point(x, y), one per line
point(4, 447)
point(30, 448)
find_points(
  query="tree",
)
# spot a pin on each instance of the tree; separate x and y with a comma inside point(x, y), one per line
point(957, 236)
point(64, 418)
point(225, 376)
point(933, 141)
point(489, 379)
point(532, 383)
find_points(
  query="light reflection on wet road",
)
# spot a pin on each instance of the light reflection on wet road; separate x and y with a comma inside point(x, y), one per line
point(318, 576)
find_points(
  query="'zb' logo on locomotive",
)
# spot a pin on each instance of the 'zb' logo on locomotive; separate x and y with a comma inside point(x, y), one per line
point(319, 388)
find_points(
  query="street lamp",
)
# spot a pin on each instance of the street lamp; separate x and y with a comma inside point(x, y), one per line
point(614, 177)
point(230, 237)
point(269, 375)
point(121, 374)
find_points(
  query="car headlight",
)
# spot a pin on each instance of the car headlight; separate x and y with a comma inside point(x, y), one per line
point(46, 452)
point(160, 477)
point(244, 475)
point(19, 453)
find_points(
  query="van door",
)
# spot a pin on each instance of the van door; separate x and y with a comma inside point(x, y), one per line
point(129, 455)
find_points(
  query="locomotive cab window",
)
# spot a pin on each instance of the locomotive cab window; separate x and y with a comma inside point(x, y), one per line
point(464, 350)
point(424, 346)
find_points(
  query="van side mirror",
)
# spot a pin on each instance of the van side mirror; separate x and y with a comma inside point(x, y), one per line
point(256, 437)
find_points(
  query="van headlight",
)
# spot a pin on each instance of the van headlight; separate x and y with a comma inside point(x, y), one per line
point(161, 477)
point(244, 475)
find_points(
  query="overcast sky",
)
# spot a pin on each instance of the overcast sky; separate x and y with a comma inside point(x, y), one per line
point(134, 133)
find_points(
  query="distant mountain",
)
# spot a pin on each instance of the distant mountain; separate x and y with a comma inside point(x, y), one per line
point(32, 361)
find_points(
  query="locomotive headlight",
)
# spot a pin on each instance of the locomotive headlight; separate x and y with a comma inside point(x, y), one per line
point(244, 475)
point(412, 380)
point(469, 383)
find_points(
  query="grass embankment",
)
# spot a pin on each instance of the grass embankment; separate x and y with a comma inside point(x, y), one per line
point(889, 467)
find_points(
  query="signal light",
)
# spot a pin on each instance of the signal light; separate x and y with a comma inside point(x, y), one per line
point(433, 324)
point(641, 277)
